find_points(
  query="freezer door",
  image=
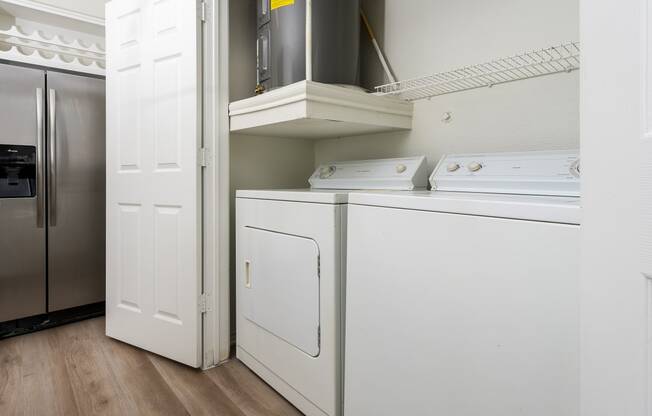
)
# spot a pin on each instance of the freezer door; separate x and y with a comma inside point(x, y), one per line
point(22, 232)
point(76, 185)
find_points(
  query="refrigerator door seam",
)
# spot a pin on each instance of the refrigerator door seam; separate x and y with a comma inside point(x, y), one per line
point(52, 177)
point(40, 197)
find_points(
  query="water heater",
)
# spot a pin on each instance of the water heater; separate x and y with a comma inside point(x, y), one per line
point(316, 40)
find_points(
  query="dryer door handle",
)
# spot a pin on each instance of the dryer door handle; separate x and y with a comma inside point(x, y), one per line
point(247, 274)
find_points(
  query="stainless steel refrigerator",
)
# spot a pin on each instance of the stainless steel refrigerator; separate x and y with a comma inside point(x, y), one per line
point(52, 191)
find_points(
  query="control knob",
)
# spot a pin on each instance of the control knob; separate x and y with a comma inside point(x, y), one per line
point(474, 166)
point(326, 172)
point(453, 167)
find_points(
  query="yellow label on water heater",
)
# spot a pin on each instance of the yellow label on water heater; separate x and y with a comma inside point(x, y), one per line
point(281, 3)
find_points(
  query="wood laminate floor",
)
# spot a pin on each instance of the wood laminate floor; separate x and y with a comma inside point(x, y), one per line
point(76, 370)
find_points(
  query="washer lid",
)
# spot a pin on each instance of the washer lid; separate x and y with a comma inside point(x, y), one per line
point(392, 174)
point(525, 173)
point(564, 210)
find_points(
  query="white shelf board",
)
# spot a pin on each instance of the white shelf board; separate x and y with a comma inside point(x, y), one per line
point(34, 10)
point(312, 110)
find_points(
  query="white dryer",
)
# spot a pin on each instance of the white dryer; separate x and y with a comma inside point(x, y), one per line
point(290, 262)
point(464, 301)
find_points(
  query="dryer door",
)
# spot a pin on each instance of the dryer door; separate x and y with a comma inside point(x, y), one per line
point(282, 286)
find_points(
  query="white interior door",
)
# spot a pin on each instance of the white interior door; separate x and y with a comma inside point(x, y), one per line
point(153, 176)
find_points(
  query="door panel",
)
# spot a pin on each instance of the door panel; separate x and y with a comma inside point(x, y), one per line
point(76, 198)
point(22, 235)
point(153, 185)
point(281, 285)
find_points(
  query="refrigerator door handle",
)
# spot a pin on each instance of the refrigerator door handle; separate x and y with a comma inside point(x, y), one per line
point(52, 147)
point(40, 183)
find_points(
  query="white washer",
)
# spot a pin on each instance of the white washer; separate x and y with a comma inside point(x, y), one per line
point(464, 301)
point(290, 261)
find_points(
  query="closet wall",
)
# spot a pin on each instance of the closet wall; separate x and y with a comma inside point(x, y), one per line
point(421, 37)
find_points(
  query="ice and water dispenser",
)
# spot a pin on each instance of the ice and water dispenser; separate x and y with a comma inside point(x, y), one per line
point(17, 171)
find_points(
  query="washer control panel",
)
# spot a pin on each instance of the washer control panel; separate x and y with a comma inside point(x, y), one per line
point(528, 173)
point(392, 174)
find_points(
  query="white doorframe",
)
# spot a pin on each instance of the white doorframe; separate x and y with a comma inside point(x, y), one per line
point(615, 295)
point(216, 323)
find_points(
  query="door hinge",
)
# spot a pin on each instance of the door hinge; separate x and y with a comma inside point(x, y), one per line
point(319, 337)
point(202, 11)
point(204, 157)
point(205, 303)
point(318, 267)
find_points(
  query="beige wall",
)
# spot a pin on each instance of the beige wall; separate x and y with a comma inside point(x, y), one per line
point(426, 36)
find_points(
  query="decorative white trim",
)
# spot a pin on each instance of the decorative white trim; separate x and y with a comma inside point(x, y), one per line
point(59, 11)
point(54, 51)
point(17, 35)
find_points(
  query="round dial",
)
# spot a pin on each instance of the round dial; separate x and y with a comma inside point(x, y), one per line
point(453, 167)
point(326, 172)
point(474, 166)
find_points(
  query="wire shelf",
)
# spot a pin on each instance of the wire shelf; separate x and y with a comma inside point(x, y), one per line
point(538, 63)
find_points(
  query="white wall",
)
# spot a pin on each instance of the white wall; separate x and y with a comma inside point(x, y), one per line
point(426, 36)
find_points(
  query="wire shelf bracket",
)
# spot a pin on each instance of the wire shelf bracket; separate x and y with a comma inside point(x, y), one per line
point(537, 63)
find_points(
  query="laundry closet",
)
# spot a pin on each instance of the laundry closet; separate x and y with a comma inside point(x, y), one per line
point(510, 103)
